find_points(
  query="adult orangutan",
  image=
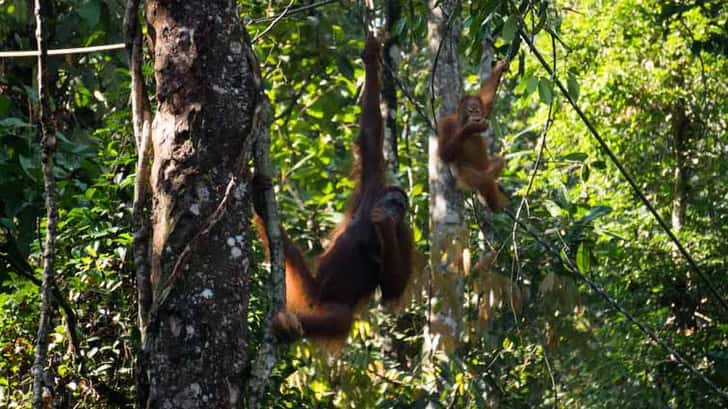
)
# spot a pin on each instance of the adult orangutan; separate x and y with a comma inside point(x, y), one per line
point(371, 247)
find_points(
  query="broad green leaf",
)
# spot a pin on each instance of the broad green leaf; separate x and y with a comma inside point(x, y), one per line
point(90, 12)
point(554, 209)
point(545, 92)
point(531, 85)
point(13, 123)
point(28, 165)
point(509, 29)
point(595, 213)
point(417, 189)
point(576, 156)
point(489, 7)
point(583, 257)
point(573, 86)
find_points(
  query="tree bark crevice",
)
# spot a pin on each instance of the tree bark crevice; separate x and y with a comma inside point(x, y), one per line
point(202, 136)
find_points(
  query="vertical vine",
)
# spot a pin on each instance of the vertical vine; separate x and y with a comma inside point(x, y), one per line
point(48, 147)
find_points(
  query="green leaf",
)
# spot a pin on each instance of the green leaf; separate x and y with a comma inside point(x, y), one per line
point(595, 213)
point(573, 86)
point(585, 172)
point(509, 29)
point(28, 166)
point(417, 233)
point(545, 90)
point(583, 257)
point(90, 12)
point(4, 105)
point(531, 85)
point(13, 123)
point(553, 208)
point(417, 190)
point(90, 192)
point(576, 156)
point(488, 8)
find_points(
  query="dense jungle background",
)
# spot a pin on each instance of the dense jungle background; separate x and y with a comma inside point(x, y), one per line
point(650, 74)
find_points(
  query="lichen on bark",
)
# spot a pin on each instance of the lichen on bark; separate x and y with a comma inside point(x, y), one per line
point(201, 134)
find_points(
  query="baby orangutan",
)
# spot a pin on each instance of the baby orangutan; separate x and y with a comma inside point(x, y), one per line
point(461, 146)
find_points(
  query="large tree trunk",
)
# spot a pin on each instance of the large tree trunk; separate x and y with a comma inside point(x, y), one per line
point(449, 233)
point(195, 352)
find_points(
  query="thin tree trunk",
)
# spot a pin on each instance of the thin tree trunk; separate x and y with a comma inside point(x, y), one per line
point(391, 58)
point(266, 357)
point(449, 233)
point(202, 136)
point(486, 68)
point(680, 128)
point(48, 147)
point(684, 302)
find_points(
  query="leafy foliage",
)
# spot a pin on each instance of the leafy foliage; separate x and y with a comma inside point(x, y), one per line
point(650, 74)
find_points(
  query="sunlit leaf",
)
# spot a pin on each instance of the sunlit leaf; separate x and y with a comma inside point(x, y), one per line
point(576, 156)
point(595, 213)
point(545, 92)
point(573, 86)
point(583, 257)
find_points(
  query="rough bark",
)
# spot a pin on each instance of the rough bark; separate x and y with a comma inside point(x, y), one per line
point(449, 232)
point(390, 57)
point(47, 149)
point(202, 139)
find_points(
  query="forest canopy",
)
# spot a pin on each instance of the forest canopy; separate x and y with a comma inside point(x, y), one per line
point(601, 284)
